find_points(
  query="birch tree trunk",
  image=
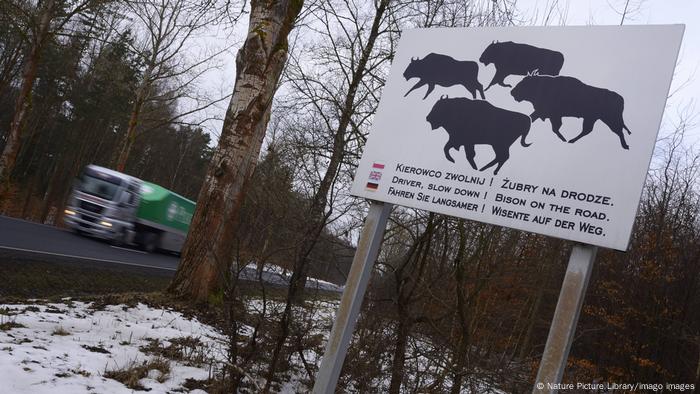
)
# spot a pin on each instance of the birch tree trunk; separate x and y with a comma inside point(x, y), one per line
point(208, 251)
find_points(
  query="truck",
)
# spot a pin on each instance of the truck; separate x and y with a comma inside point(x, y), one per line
point(125, 210)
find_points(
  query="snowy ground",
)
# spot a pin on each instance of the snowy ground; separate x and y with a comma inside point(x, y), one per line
point(71, 348)
point(77, 347)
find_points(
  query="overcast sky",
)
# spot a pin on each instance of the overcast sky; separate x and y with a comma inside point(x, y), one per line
point(686, 84)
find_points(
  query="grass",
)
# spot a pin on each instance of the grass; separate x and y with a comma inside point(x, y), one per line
point(189, 350)
point(22, 278)
point(131, 374)
point(8, 325)
point(8, 319)
point(95, 349)
point(7, 312)
point(71, 372)
point(60, 331)
point(82, 372)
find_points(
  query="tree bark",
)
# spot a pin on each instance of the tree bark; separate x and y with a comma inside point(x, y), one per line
point(406, 284)
point(545, 269)
point(399, 359)
point(142, 94)
point(208, 250)
point(697, 372)
point(23, 103)
point(460, 357)
point(129, 138)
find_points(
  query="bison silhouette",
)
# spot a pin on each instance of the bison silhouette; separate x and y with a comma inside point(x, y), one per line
point(474, 122)
point(442, 70)
point(560, 96)
point(512, 58)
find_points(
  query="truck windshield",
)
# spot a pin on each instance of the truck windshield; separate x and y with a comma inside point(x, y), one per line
point(98, 187)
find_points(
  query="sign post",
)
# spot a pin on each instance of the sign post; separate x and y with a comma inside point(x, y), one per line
point(354, 293)
point(563, 328)
point(558, 143)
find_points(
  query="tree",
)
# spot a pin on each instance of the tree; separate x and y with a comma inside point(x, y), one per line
point(168, 28)
point(173, 156)
point(641, 301)
point(11, 47)
point(42, 21)
point(353, 58)
point(79, 107)
point(208, 250)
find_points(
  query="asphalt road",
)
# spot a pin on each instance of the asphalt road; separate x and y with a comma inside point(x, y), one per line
point(59, 245)
point(20, 236)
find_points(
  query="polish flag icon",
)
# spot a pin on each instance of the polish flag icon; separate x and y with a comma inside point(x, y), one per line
point(374, 176)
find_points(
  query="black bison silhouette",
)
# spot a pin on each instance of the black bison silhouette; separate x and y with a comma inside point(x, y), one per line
point(473, 122)
point(557, 97)
point(512, 58)
point(437, 69)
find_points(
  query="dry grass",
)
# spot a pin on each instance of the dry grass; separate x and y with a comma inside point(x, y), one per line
point(131, 374)
point(96, 349)
point(82, 372)
point(8, 325)
point(60, 331)
point(189, 350)
point(7, 320)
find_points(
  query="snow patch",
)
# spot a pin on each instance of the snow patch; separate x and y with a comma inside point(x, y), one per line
point(67, 347)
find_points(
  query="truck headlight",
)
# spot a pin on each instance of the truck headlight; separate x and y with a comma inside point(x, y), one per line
point(106, 224)
point(69, 212)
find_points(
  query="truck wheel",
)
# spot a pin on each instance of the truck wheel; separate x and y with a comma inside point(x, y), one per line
point(150, 242)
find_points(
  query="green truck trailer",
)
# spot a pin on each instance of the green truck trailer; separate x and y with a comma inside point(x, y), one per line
point(126, 210)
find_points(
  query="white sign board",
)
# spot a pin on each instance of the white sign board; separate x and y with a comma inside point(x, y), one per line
point(560, 145)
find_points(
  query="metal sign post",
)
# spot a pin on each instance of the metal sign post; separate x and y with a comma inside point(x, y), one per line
point(563, 328)
point(546, 187)
point(358, 278)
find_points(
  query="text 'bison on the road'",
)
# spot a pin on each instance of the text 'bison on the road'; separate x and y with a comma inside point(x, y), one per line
point(512, 58)
point(476, 122)
point(557, 97)
point(442, 70)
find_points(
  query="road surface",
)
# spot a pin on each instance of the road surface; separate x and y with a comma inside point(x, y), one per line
point(56, 245)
